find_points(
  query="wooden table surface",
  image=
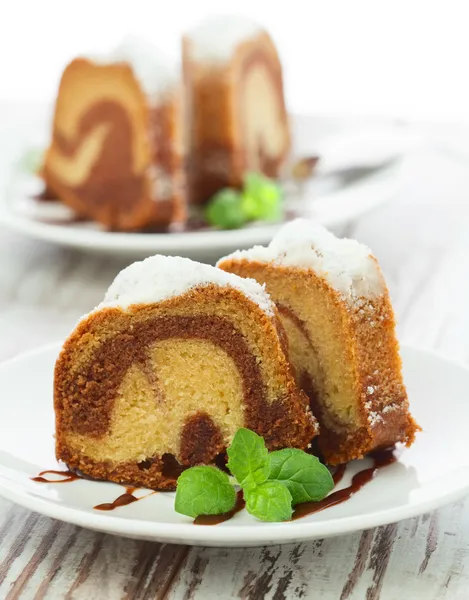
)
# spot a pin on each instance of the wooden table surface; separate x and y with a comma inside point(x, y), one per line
point(422, 241)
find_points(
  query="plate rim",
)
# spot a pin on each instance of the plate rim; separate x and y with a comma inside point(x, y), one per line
point(122, 243)
point(232, 536)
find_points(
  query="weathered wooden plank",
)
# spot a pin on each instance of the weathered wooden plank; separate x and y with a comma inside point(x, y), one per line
point(374, 564)
point(47, 559)
point(34, 562)
point(16, 549)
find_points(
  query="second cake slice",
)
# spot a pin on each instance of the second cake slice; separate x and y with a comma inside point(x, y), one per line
point(335, 307)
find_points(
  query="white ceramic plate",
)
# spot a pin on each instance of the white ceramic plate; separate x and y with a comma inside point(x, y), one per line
point(21, 213)
point(433, 472)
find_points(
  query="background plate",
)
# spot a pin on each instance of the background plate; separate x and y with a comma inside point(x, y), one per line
point(368, 148)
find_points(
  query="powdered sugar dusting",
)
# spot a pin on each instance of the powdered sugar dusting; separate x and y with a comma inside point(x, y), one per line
point(374, 418)
point(347, 265)
point(161, 277)
point(161, 183)
point(155, 72)
point(216, 38)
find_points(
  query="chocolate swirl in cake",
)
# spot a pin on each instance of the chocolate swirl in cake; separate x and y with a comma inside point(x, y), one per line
point(88, 398)
point(116, 150)
point(177, 358)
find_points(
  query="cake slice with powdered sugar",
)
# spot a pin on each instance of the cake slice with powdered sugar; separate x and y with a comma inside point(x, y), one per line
point(176, 359)
point(335, 307)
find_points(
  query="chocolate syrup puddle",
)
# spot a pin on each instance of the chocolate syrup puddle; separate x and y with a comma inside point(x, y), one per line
point(339, 473)
point(216, 519)
point(122, 500)
point(46, 195)
point(382, 458)
point(67, 477)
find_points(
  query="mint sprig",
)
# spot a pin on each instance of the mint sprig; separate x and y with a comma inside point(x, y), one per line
point(305, 477)
point(260, 198)
point(204, 490)
point(272, 483)
point(248, 458)
point(224, 209)
point(270, 501)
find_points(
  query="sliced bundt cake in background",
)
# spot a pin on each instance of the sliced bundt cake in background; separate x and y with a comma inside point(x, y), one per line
point(236, 115)
point(116, 153)
point(176, 359)
point(335, 307)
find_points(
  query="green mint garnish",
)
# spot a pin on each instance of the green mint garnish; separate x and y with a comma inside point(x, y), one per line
point(261, 198)
point(204, 490)
point(306, 478)
point(30, 162)
point(224, 210)
point(269, 501)
point(248, 459)
point(272, 483)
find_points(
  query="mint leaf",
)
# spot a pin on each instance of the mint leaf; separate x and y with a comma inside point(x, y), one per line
point(306, 478)
point(248, 458)
point(30, 162)
point(224, 209)
point(269, 501)
point(261, 198)
point(204, 490)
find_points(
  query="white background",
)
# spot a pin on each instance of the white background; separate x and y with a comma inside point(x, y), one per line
point(399, 58)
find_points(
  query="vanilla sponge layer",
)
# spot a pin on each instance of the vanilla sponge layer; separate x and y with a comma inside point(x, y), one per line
point(148, 418)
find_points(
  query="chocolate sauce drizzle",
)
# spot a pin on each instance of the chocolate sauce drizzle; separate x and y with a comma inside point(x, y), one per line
point(66, 475)
point(339, 473)
point(381, 458)
point(216, 519)
point(122, 500)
